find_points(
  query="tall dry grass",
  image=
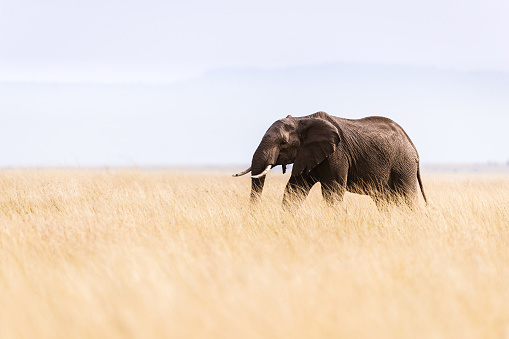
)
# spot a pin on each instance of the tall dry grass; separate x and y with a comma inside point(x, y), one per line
point(140, 254)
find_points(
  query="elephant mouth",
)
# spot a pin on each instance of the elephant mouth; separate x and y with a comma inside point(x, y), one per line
point(267, 169)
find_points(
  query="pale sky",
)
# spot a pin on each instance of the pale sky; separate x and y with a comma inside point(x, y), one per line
point(65, 65)
point(163, 41)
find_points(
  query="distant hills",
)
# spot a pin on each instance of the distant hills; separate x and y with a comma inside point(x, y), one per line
point(452, 116)
point(465, 168)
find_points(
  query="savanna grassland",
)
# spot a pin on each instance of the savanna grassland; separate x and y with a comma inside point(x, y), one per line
point(151, 254)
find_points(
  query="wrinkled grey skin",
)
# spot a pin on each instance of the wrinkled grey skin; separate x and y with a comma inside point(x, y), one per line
point(372, 156)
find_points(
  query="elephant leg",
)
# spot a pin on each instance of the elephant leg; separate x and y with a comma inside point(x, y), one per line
point(403, 188)
point(297, 189)
point(333, 173)
point(333, 193)
point(382, 201)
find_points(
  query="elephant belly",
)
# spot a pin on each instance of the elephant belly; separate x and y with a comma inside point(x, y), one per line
point(368, 183)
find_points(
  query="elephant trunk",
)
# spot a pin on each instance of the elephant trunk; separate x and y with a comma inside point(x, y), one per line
point(256, 189)
point(264, 156)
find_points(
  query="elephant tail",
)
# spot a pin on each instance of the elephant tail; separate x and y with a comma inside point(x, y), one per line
point(420, 184)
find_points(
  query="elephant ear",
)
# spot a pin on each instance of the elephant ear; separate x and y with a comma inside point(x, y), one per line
point(319, 139)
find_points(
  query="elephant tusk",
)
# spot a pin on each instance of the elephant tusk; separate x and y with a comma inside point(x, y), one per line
point(243, 172)
point(263, 173)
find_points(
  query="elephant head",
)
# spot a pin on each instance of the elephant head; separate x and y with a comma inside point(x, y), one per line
point(304, 142)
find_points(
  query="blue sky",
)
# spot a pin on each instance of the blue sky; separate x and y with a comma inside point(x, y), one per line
point(104, 83)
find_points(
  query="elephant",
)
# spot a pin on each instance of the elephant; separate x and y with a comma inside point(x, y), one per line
point(372, 156)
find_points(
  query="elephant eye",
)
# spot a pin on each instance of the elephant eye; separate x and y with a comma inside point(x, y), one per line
point(284, 142)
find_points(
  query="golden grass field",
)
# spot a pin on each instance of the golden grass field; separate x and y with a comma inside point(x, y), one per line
point(154, 254)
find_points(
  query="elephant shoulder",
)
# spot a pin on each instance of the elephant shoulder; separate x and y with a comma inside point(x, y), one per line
point(378, 120)
point(320, 115)
point(382, 124)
